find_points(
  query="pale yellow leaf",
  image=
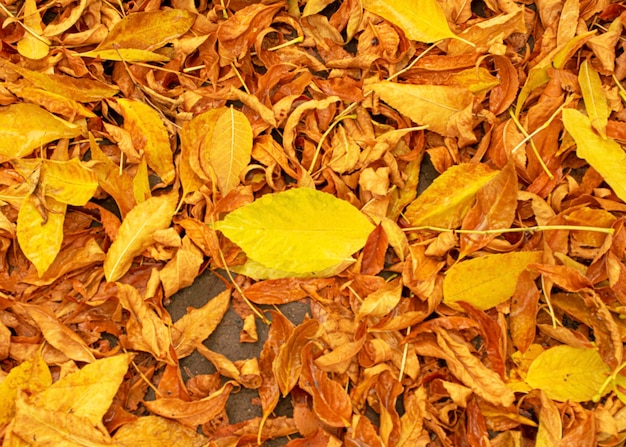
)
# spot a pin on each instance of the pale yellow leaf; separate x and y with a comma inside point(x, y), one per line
point(197, 324)
point(135, 233)
point(88, 392)
point(40, 236)
point(230, 146)
point(421, 20)
point(26, 127)
point(446, 201)
point(150, 136)
point(605, 156)
point(486, 281)
point(567, 373)
point(434, 106)
point(596, 104)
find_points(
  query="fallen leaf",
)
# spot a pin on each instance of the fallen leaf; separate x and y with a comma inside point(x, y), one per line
point(486, 281)
point(135, 233)
point(596, 104)
point(183, 269)
point(300, 230)
point(69, 182)
point(605, 156)
point(155, 431)
point(566, 373)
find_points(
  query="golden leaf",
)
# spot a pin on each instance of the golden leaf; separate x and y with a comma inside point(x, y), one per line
point(69, 182)
point(182, 270)
point(596, 104)
point(33, 45)
point(605, 156)
point(135, 233)
point(381, 301)
point(155, 431)
point(487, 281)
point(446, 201)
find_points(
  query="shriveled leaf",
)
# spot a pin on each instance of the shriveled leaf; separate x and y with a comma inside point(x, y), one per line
point(567, 373)
point(69, 182)
point(88, 392)
point(59, 335)
point(135, 233)
point(435, 106)
point(300, 230)
point(281, 291)
point(197, 324)
point(288, 363)
point(550, 428)
point(31, 376)
point(230, 146)
point(134, 37)
point(486, 281)
point(149, 136)
point(421, 20)
point(183, 269)
point(596, 104)
point(155, 431)
point(56, 428)
point(382, 301)
point(605, 156)
point(40, 235)
point(26, 127)
point(446, 201)
point(192, 413)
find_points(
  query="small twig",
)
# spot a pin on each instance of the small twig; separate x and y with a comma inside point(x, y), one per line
point(514, 230)
point(295, 41)
point(243, 83)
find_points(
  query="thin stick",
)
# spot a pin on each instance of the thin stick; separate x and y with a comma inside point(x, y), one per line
point(515, 230)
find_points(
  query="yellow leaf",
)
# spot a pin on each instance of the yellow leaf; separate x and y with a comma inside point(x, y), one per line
point(68, 182)
point(135, 233)
point(550, 430)
point(31, 376)
point(155, 431)
point(605, 156)
point(446, 201)
point(57, 334)
point(421, 20)
point(434, 106)
point(382, 301)
point(230, 146)
point(88, 392)
point(33, 45)
point(596, 103)
point(26, 127)
point(40, 236)
point(150, 136)
point(197, 324)
point(134, 37)
point(55, 428)
point(487, 281)
point(567, 373)
point(141, 182)
point(182, 269)
point(53, 102)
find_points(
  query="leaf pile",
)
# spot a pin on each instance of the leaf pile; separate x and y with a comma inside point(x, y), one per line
point(279, 144)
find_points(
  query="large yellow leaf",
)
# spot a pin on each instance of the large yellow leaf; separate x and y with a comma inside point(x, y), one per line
point(40, 235)
point(134, 37)
point(31, 376)
point(596, 103)
point(155, 431)
point(486, 281)
point(150, 136)
point(567, 373)
point(135, 233)
point(69, 182)
point(55, 428)
point(605, 156)
point(87, 392)
point(300, 230)
point(421, 20)
point(446, 201)
point(197, 324)
point(26, 127)
point(434, 106)
point(230, 146)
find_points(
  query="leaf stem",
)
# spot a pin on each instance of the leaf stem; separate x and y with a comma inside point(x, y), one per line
point(295, 41)
point(528, 138)
point(243, 83)
point(596, 398)
point(515, 230)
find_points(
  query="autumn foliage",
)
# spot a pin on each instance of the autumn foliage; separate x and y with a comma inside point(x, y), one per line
point(279, 144)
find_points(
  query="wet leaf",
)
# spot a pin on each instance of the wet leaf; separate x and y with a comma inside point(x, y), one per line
point(135, 233)
point(26, 127)
point(447, 200)
point(230, 146)
point(300, 230)
point(566, 373)
point(487, 281)
point(603, 155)
point(421, 20)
